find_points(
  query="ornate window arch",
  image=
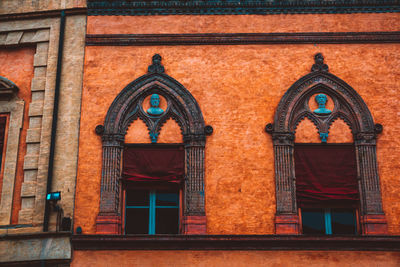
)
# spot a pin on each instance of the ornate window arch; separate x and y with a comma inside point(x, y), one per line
point(127, 107)
point(349, 106)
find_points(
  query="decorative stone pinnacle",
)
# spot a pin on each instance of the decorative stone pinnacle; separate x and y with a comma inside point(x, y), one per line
point(319, 63)
point(156, 67)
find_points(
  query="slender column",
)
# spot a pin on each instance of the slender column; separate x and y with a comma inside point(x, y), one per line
point(372, 216)
point(109, 218)
point(286, 219)
point(194, 221)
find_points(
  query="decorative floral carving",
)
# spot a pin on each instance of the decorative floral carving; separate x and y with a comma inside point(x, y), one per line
point(269, 128)
point(99, 129)
point(319, 63)
point(156, 67)
point(208, 130)
point(378, 128)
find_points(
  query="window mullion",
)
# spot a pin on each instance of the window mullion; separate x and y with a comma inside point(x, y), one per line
point(152, 213)
point(328, 220)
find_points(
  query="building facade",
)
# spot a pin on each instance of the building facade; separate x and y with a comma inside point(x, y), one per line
point(41, 51)
point(200, 133)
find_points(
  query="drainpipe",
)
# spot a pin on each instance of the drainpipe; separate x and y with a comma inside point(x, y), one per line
point(54, 122)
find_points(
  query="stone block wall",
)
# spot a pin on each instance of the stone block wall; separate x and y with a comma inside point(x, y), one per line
point(42, 35)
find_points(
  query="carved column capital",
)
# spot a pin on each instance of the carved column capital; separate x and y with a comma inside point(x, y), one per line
point(115, 140)
point(194, 139)
point(286, 138)
point(365, 138)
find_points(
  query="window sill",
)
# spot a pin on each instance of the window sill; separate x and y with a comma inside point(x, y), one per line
point(235, 242)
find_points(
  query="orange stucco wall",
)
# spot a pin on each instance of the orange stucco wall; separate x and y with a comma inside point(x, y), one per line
point(235, 258)
point(238, 89)
point(17, 66)
point(243, 23)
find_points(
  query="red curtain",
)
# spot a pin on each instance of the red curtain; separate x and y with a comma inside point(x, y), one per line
point(153, 164)
point(326, 175)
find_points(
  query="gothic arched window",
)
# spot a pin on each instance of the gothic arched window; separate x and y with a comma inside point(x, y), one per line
point(348, 106)
point(127, 107)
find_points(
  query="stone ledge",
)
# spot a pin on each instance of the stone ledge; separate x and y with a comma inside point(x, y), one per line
point(235, 242)
point(30, 247)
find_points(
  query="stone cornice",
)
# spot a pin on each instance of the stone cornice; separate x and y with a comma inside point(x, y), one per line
point(235, 242)
point(242, 38)
point(121, 7)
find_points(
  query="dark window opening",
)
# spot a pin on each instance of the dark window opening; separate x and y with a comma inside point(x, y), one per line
point(329, 221)
point(326, 188)
point(152, 211)
point(153, 176)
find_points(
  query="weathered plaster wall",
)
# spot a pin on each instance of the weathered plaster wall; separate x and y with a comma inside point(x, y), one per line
point(238, 89)
point(24, 6)
point(235, 258)
point(243, 23)
point(17, 66)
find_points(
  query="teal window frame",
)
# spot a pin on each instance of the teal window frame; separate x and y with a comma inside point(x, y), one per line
point(328, 220)
point(152, 211)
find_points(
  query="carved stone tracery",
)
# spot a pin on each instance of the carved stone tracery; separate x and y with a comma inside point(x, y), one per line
point(126, 108)
point(349, 106)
